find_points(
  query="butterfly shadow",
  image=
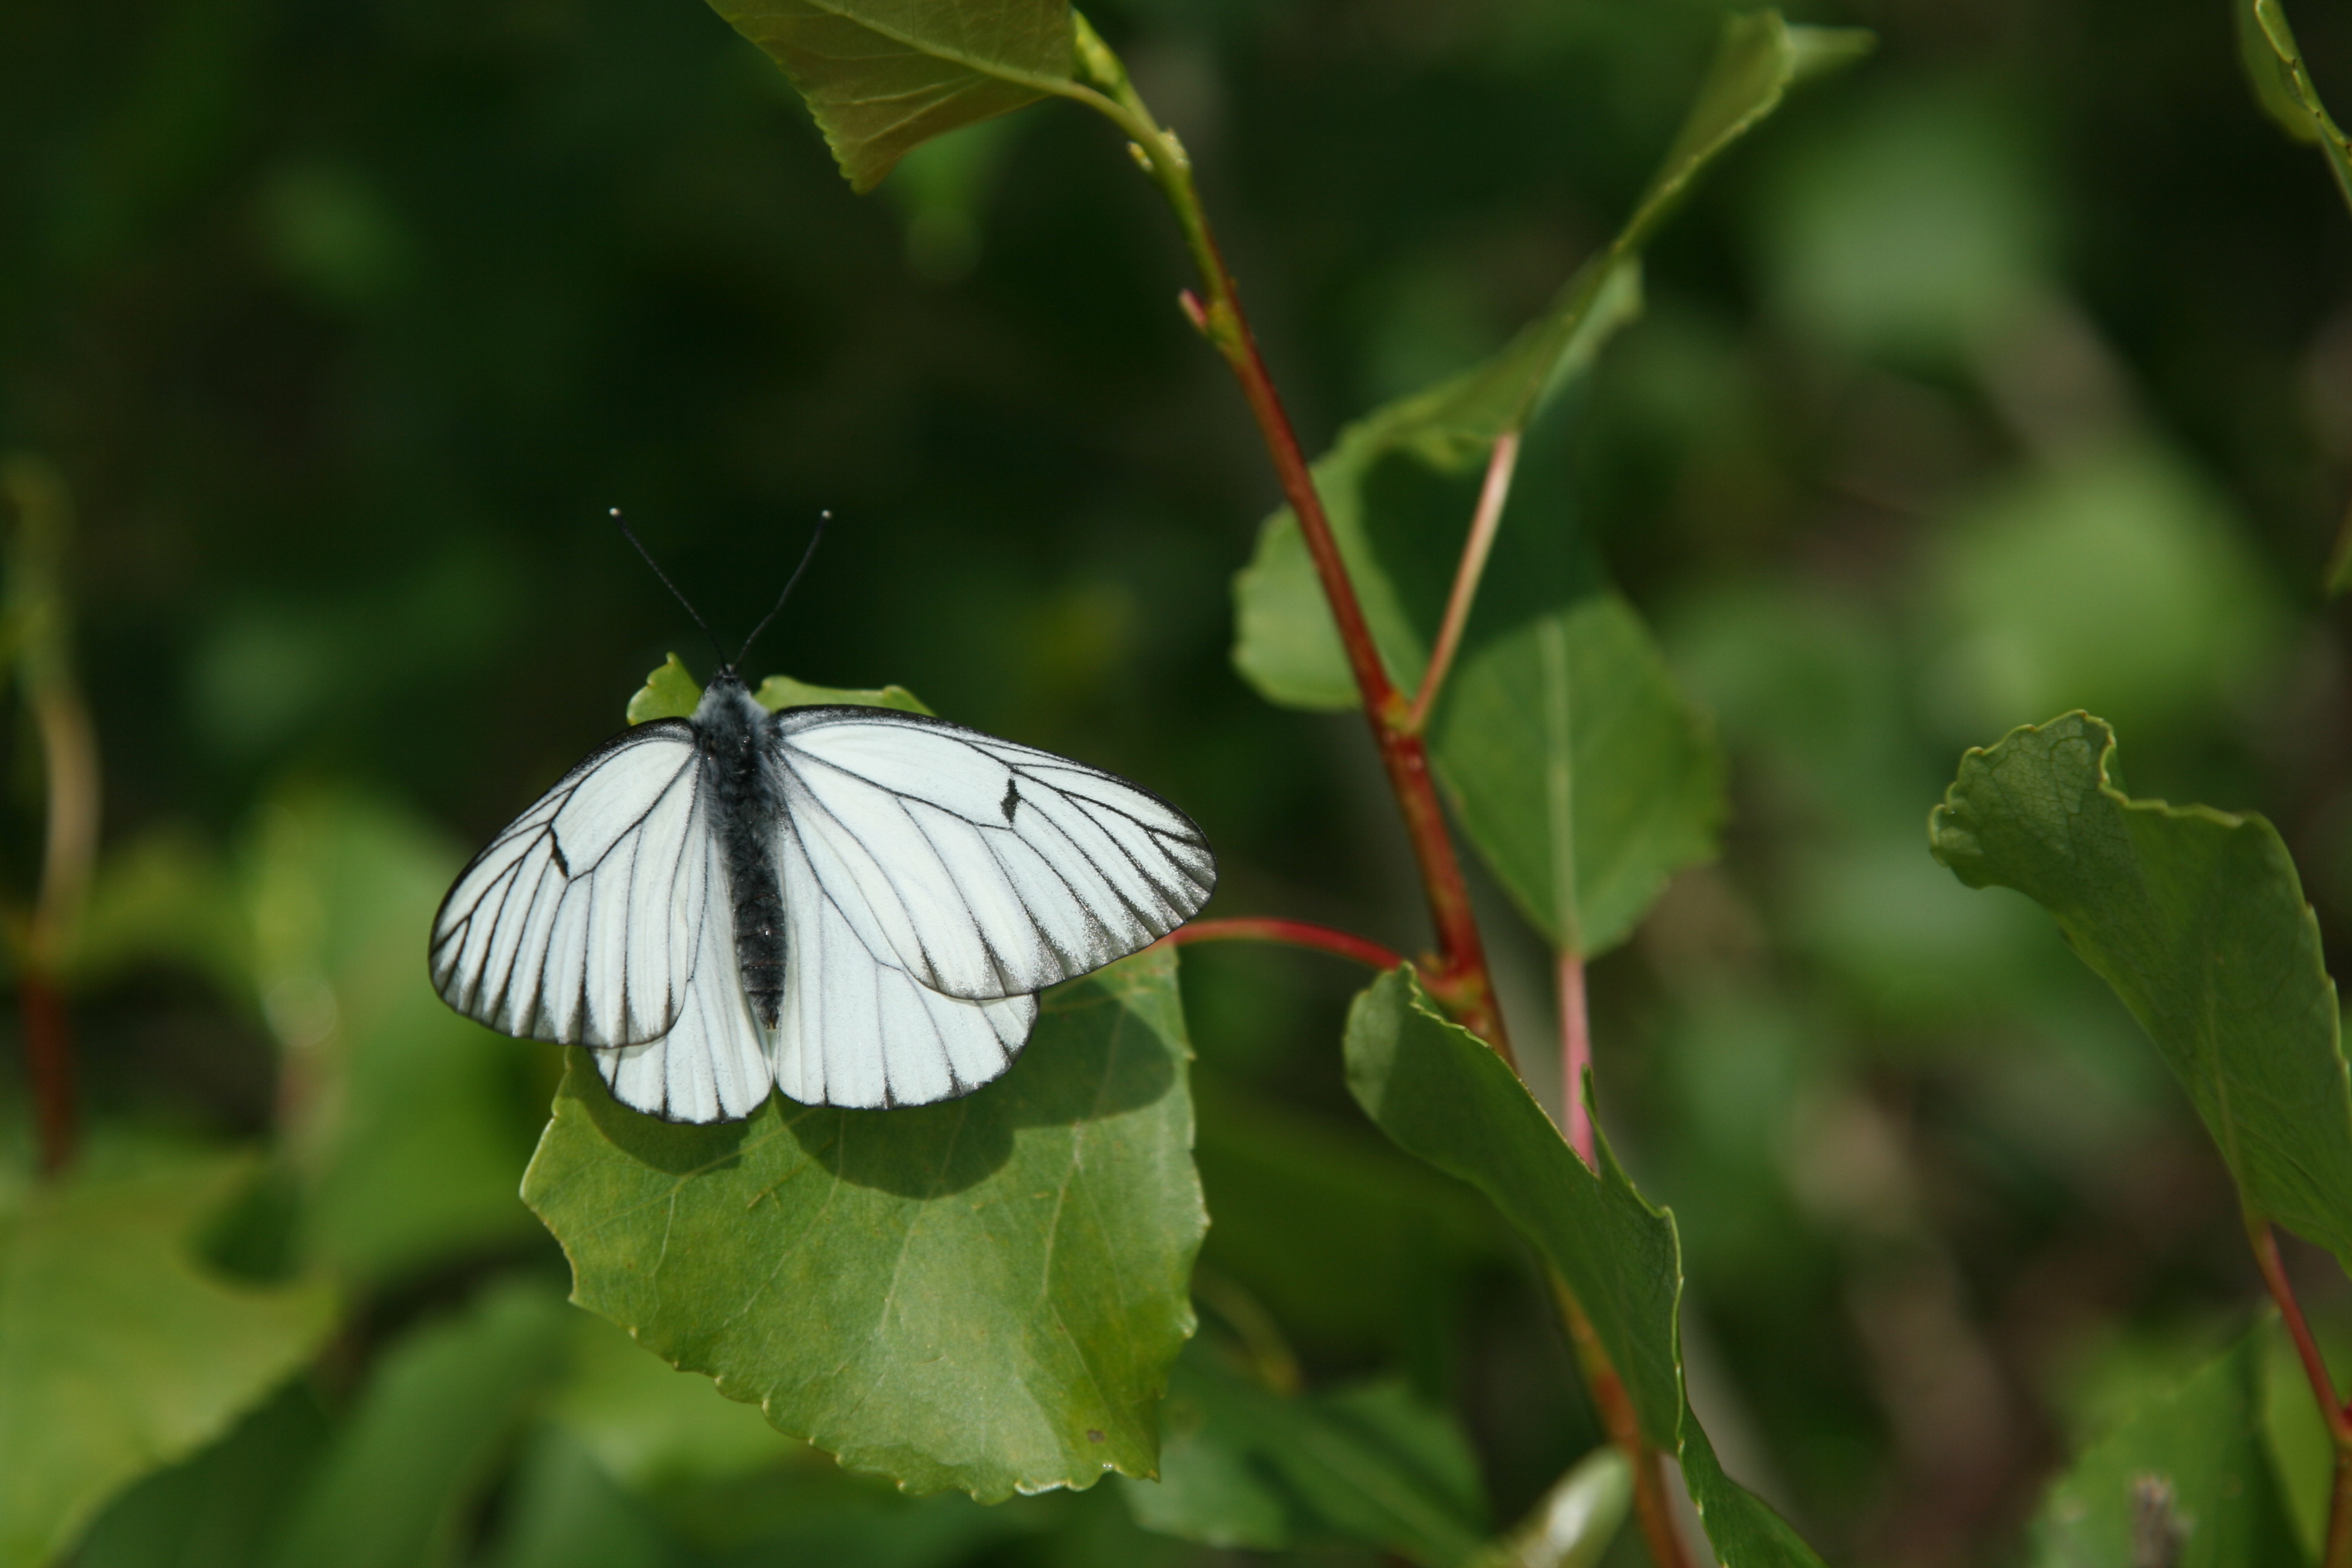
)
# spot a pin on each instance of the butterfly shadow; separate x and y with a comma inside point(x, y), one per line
point(1093, 1057)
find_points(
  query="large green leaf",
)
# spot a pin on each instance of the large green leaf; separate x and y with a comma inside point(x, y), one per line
point(120, 1353)
point(407, 1124)
point(984, 1293)
point(1444, 1096)
point(2186, 1480)
point(439, 1412)
point(1287, 645)
point(2197, 918)
point(1244, 1466)
point(883, 76)
point(1578, 769)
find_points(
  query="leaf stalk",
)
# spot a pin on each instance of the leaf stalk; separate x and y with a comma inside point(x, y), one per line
point(2338, 1551)
point(1484, 523)
point(1297, 934)
point(1651, 1511)
point(36, 640)
point(1461, 978)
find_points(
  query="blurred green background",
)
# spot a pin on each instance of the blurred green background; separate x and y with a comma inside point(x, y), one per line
point(2007, 373)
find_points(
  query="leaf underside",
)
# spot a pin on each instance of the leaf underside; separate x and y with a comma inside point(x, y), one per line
point(883, 76)
point(1444, 1095)
point(2197, 918)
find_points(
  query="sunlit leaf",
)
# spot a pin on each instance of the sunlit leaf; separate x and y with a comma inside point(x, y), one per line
point(2185, 1482)
point(1286, 643)
point(784, 691)
point(438, 1411)
point(1443, 1095)
point(984, 1293)
point(1244, 1466)
point(882, 77)
point(2198, 920)
point(120, 1353)
point(670, 693)
point(1578, 769)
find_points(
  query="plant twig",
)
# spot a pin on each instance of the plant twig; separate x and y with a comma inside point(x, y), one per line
point(1575, 1056)
point(38, 641)
point(1461, 979)
point(1298, 933)
point(1651, 1511)
point(1483, 525)
point(2337, 1552)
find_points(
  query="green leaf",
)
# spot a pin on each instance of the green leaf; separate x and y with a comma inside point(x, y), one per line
point(670, 693)
point(2198, 920)
point(882, 77)
point(652, 1428)
point(1287, 645)
point(782, 691)
point(1242, 1466)
point(443, 1404)
point(1579, 770)
point(219, 1509)
point(2282, 86)
point(2186, 1480)
point(407, 1125)
point(1444, 1095)
point(120, 1353)
point(984, 1293)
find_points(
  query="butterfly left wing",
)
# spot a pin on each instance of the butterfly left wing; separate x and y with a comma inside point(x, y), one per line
point(979, 868)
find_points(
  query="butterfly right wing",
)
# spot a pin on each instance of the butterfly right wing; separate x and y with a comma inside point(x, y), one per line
point(586, 918)
point(858, 1029)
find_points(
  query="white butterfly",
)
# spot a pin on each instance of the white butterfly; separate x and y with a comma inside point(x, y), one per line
point(855, 905)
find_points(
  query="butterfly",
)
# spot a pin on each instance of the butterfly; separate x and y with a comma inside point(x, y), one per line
point(857, 906)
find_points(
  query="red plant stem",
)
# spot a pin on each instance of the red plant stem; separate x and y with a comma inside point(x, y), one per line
point(1298, 933)
point(1651, 1511)
point(48, 1064)
point(2338, 1551)
point(1575, 1056)
point(1460, 979)
point(2323, 1388)
point(1484, 525)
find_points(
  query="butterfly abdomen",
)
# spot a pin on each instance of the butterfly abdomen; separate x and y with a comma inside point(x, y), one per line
point(745, 808)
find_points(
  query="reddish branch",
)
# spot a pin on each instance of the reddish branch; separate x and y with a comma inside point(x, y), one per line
point(1653, 1510)
point(1575, 1056)
point(1297, 934)
point(2337, 1552)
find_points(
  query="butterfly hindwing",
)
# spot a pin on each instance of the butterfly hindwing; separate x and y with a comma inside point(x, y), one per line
point(979, 868)
point(857, 1029)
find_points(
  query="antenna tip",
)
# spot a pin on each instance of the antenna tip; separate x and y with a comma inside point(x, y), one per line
point(825, 515)
point(615, 510)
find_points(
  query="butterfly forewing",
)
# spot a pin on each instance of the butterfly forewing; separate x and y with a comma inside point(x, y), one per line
point(582, 922)
point(979, 868)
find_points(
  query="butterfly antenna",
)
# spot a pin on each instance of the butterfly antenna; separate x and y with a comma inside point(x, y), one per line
point(629, 534)
point(806, 557)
